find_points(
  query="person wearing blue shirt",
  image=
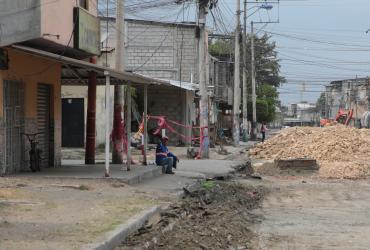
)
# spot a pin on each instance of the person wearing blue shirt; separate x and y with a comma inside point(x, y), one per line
point(164, 157)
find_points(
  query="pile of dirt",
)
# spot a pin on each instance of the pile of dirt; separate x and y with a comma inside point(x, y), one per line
point(342, 152)
point(214, 217)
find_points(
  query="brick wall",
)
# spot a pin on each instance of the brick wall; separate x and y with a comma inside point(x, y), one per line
point(169, 102)
point(160, 50)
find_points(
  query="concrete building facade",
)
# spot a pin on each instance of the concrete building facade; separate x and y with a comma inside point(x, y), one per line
point(30, 84)
point(348, 94)
point(301, 114)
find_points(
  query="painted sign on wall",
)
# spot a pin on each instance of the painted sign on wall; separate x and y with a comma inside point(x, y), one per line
point(87, 32)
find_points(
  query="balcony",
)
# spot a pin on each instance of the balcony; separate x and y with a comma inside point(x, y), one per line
point(60, 27)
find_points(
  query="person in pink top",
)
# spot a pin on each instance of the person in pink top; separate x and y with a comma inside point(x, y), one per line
point(263, 131)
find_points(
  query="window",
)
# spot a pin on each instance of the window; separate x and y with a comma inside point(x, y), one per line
point(84, 4)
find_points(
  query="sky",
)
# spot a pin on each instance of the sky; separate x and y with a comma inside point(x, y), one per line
point(318, 41)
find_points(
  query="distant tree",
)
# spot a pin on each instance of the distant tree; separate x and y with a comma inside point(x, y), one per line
point(267, 99)
point(221, 48)
point(267, 65)
point(267, 68)
point(266, 58)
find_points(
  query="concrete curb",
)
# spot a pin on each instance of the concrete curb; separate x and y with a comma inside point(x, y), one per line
point(130, 180)
point(155, 172)
point(115, 237)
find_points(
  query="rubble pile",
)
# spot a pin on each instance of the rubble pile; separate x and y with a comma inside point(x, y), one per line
point(341, 152)
point(215, 215)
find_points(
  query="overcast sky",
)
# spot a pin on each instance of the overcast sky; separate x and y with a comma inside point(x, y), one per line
point(318, 40)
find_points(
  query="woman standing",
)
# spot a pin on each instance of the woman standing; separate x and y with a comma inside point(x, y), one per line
point(263, 131)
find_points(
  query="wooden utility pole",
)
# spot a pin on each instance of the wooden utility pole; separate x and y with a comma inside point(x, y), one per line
point(119, 91)
point(245, 87)
point(203, 85)
point(253, 77)
point(237, 92)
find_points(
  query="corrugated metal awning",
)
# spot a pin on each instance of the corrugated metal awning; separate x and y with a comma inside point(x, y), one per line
point(76, 72)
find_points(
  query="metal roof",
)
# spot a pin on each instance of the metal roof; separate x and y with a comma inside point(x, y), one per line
point(76, 72)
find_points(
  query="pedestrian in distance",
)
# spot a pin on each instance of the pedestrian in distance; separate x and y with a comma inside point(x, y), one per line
point(164, 157)
point(263, 131)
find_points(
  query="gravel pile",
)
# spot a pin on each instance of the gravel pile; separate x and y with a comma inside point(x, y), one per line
point(341, 152)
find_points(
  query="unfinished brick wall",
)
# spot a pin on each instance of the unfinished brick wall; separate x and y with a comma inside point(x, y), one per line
point(169, 102)
point(160, 50)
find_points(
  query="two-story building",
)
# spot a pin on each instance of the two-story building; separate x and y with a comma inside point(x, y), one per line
point(30, 83)
point(43, 45)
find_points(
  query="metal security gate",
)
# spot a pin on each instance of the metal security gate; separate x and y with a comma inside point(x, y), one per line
point(13, 127)
point(44, 125)
point(73, 122)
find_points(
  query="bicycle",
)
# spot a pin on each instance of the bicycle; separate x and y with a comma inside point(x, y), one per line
point(34, 152)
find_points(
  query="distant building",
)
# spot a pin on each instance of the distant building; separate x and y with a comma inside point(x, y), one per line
point(348, 94)
point(301, 114)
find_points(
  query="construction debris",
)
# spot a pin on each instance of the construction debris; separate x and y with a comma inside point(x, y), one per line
point(341, 152)
point(215, 215)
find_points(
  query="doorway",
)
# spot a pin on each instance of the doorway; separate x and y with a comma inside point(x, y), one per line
point(73, 122)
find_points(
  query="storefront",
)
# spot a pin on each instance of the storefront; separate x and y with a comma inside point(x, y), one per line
point(30, 102)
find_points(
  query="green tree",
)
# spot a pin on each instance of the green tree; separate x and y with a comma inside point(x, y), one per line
point(267, 99)
point(221, 48)
point(267, 67)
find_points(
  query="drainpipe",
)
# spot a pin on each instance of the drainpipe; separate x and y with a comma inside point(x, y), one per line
point(91, 117)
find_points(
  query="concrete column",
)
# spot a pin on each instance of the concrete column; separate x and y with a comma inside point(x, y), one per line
point(91, 118)
point(145, 124)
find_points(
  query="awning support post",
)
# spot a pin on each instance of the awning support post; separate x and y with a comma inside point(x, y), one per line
point(145, 162)
point(91, 117)
point(128, 126)
point(107, 116)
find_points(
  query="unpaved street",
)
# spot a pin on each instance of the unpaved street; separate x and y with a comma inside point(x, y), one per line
point(295, 213)
point(314, 214)
point(215, 216)
point(61, 214)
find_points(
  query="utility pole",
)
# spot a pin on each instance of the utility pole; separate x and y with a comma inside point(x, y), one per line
point(253, 73)
point(203, 85)
point(245, 87)
point(118, 130)
point(253, 77)
point(237, 92)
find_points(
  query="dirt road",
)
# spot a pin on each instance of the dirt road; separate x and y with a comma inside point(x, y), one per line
point(216, 216)
point(45, 213)
point(314, 214)
point(295, 213)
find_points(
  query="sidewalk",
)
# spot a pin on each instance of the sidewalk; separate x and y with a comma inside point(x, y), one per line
point(75, 169)
point(69, 207)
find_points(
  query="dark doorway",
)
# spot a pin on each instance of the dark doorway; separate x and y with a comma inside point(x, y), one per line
point(73, 122)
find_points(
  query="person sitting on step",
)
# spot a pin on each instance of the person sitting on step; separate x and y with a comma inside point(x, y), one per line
point(164, 157)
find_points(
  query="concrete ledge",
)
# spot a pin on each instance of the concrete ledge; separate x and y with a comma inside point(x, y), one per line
point(114, 238)
point(140, 177)
point(135, 176)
